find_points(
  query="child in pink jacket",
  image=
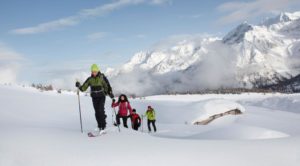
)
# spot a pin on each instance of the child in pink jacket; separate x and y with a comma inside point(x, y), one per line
point(125, 109)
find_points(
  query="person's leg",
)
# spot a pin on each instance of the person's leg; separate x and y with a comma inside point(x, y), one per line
point(154, 126)
point(125, 121)
point(102, 115)
point(148, 123)
point(132, 124)
point(136, 125)
point(98, 104)
point(118, 119)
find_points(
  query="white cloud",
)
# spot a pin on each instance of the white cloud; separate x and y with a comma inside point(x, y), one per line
point(63, 74)
point(241, 11)
point(97, 35)
point(159, 2)
point(210, 71)
point(7, 54)
point(8, 73)
point(68, 81)
point(107, 8)
point(9, 64)
point(83, 15)
point(192, 16)
point(48, 26)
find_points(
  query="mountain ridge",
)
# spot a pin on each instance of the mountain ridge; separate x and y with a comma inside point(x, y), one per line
point(248, 56)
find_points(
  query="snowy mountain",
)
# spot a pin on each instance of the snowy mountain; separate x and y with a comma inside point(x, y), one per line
point(269, 51)
point(248, 56)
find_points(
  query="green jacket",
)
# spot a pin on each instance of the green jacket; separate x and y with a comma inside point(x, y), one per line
point(150, 114)
point(99, 85)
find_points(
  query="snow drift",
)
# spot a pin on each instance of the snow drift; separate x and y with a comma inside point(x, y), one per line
point(213, 107)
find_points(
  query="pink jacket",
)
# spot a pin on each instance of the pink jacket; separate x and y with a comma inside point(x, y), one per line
point(124, 107)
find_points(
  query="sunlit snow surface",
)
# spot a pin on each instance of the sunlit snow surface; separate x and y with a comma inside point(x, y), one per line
point(42, 128)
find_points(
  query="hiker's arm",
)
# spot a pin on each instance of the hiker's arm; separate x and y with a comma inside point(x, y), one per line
point(129, 108)
point(114, 104)
point(85, 85)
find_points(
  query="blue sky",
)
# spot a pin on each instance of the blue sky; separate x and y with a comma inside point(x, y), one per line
point(58, 37)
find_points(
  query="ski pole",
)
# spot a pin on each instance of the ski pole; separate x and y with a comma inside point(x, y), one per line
point(79, 110)
point(112, 119)
point(142, 123)
point(116, 116)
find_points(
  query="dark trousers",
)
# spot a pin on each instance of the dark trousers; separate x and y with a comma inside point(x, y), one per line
point(153, 124)
point(135, 125)
point(98, 103)
point(118, 117)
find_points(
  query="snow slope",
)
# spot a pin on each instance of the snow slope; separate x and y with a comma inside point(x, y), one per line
point(249, 55)
point(42, 128)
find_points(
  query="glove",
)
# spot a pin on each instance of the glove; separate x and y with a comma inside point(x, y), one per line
point(77, 84)
point(113, 102)
point(111, 95)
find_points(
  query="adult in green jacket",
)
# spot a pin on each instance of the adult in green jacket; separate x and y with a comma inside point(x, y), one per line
point(100, 87)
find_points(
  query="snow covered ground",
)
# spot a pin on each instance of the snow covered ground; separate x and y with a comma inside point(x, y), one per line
point(42, 128)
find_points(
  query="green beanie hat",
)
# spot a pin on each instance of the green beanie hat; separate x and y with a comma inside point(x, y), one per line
point(95, 68)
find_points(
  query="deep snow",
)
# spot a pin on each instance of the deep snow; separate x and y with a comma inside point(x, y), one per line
point(42, 128)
